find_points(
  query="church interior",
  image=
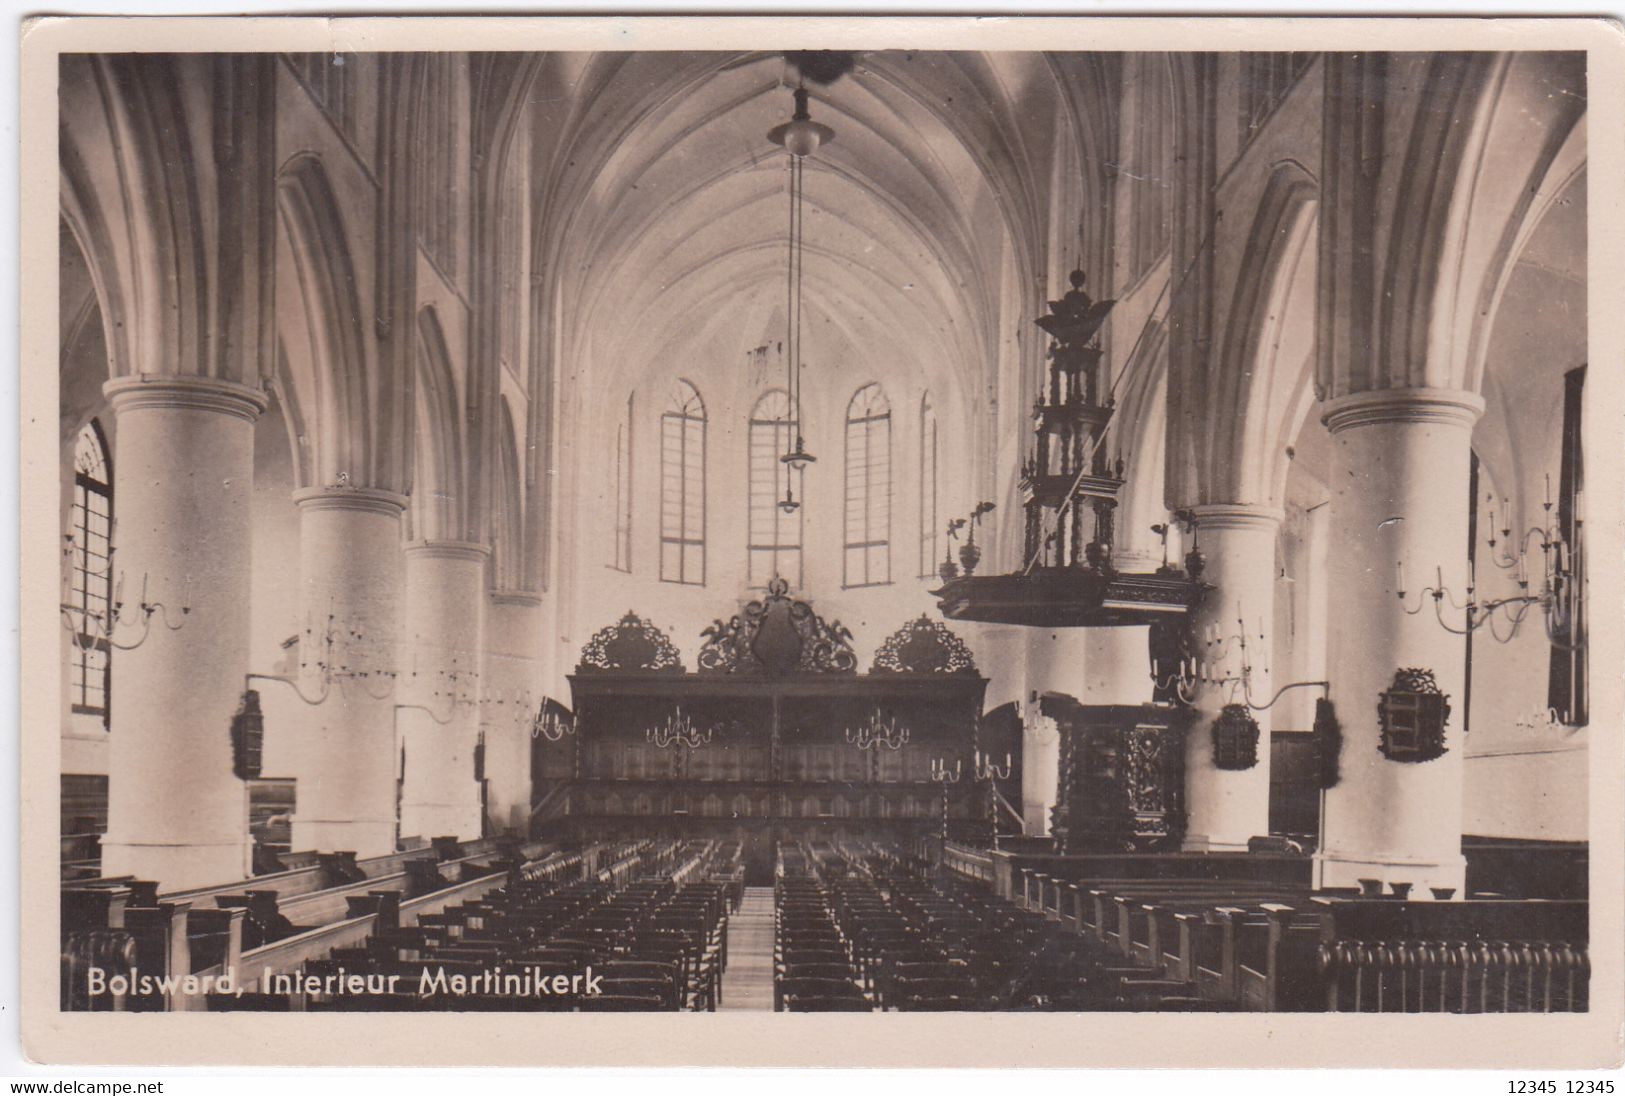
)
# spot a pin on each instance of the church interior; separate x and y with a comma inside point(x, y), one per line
point(824, 531)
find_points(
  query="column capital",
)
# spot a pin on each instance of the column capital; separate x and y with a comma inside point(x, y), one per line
point(1236, 515)
point(448, 549)
point(153, 391)
point(366, 500)
point(1443, 406)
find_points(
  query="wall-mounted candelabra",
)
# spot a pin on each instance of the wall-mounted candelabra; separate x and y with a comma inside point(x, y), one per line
point(1558, 595)
point(552, 722)
point(987, 769)
point(879, 731)
point(1204, 665)
point(325, 658)
point(988, 772)
point(92, 628)
point(945, 776)
point(449, 688)
point(679, 729)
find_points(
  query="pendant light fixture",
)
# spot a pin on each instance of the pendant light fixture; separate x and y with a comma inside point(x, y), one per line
point(800, 137)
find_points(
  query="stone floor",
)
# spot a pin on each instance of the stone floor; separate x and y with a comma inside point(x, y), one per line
point(748, 981)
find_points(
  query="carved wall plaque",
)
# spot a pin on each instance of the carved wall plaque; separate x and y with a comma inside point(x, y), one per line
point(1413, 714)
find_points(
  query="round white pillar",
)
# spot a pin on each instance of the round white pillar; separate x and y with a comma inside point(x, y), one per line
point(1399, 495)
point(1054, 663)
point(350, 571)
point(185, 458)
point(439, 713)
point(1040, 770)
point(1225, 807)
point(1116, 666)
point(1094, 666)
point(513, 685)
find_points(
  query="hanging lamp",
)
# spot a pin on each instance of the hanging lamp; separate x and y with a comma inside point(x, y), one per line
point(800, 137)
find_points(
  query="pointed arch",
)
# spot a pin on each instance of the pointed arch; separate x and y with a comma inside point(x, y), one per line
point(317, 238)
point(1275, 290)
point(437, 495)
point(90, 537)
point(682, 487)
point(774, 536)
point(87, 225)
point(866, 560)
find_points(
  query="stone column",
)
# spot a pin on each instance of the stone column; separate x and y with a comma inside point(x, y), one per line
point(512, 682)
point(439, 717)
point(1094, 666)
point(1052, 659)
point(349, 571)
point(1225, 807)
point(1399, 495)
point(185, 459)
point(1040, 770)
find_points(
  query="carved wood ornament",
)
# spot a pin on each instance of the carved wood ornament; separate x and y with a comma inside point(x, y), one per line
point(632, 643)
point(777, 635)
point(923, 646)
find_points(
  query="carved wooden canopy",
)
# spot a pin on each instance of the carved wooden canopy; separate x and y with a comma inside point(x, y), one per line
point(632, 643)
point(923, 646)
point(777, 635)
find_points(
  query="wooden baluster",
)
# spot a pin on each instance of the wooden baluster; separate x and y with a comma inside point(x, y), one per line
point(1511, 958)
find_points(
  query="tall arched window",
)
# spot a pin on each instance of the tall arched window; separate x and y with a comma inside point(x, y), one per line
point(928, 487)
point(868, 488)
point(623, 491)
point(92, 588)
point(682, 488)
point(775, 536)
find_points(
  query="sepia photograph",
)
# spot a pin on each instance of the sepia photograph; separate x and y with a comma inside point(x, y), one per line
point(585, 521)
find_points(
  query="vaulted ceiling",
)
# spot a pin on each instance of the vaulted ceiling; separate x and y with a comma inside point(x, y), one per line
point(668, 206)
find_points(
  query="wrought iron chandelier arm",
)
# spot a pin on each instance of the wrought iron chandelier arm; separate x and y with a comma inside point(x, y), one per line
point(83, 632)
point(1325, 688)
point(389, 688)
point(160, 607)
point(1421, 599)
point(430, 712)
point(293, 683)
point(1438, 609)
point(146, 629)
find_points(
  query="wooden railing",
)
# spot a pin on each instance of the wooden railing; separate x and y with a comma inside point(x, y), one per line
point(1456, 976)
point(968, 863)
point(289, 955)
point(322, 872)
point(1471, 956)
point(1266, 947)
